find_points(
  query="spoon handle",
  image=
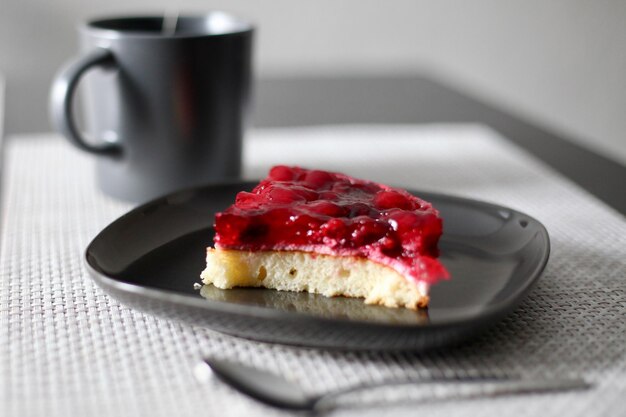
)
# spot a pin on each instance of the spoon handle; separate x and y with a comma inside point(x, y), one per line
point(536, 386)
point(273, 389)
point(493, 386)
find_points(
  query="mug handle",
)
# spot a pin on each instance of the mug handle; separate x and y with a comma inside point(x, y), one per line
point(62, 98)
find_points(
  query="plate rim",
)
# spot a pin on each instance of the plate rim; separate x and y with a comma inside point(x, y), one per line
point(493, 310)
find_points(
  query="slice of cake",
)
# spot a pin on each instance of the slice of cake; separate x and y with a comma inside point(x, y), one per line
point(331, 234)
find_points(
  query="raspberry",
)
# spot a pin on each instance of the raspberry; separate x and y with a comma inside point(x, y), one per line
point(316, 180)
point(282, 194)
point(281, 173)
point(245, 200)
point(367, 230)
point(392, 199)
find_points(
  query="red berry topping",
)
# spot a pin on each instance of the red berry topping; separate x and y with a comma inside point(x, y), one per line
point(332, 213)
point(317, 180)
point(326, 208)
point(281, 173)
point(388, 199)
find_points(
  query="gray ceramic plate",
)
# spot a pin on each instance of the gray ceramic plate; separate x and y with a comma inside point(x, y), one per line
point(151, 257)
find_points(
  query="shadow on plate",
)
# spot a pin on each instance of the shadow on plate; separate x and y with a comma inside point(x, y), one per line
point(317, 305)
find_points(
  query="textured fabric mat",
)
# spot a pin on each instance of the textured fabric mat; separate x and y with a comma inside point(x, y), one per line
point(67, 349)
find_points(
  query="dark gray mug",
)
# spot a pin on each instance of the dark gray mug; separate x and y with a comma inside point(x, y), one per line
point(165, 107)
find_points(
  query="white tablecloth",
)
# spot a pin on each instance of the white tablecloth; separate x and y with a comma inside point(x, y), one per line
point(67, 349)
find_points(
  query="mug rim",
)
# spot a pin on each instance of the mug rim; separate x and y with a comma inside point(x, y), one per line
point(98, 26)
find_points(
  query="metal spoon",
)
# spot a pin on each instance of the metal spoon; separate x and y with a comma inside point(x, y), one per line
point(276, 391)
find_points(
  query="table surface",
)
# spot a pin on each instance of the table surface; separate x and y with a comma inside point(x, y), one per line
point(69, 349)
point(1, 108)
point(316, 101)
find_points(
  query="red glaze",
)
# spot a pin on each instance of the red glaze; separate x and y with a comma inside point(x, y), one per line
point(331, 213)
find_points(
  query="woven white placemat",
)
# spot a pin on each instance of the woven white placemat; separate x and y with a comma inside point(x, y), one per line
point(67, 349)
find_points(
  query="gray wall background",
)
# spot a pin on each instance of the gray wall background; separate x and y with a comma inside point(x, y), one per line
point(560, 63)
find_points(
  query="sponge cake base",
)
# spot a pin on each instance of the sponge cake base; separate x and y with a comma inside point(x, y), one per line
point(331, 276)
